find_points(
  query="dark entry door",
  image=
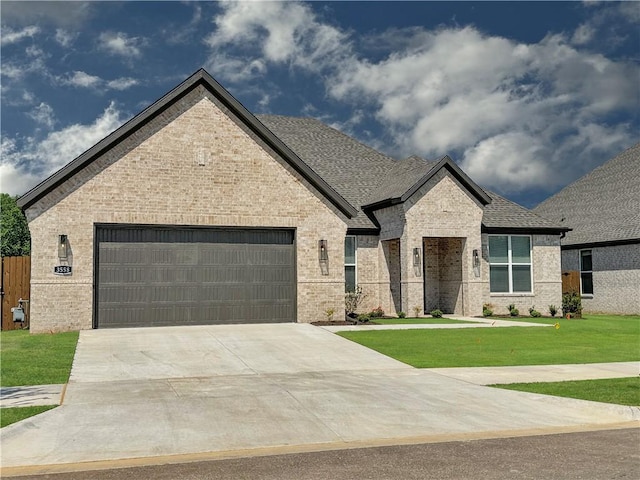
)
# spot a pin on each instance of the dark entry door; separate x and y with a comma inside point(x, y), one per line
point(153, 276)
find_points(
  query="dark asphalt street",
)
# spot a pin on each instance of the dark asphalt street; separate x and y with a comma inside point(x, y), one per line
point(607, 455)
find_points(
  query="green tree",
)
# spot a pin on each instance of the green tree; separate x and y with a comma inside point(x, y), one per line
point(14, 231)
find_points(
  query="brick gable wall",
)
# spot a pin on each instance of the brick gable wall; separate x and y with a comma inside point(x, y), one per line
point(155, 177)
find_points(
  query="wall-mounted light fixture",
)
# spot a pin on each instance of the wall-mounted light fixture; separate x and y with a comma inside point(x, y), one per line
point(417, 262)
point(63, 247)
point(476, 262)
point(323, 256)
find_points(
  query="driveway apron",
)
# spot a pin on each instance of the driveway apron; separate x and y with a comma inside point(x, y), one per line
point(182, 390)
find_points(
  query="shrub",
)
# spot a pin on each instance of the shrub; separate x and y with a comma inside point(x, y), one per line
point(571, 304)
point(377, 312)
point(533, 312)
point(352, 300)
point(487, 310)
point(363, 318)
point(401, 315)
point(329, 313)
point(417, 310)
point(513, 311)
point(553, 310)
point(436, 313)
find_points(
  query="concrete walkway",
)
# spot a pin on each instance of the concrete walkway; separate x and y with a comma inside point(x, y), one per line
point(33, 395)
point(149, 395)
point(540, 373)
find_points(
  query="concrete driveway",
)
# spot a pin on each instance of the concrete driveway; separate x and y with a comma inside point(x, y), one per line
point(256, 389)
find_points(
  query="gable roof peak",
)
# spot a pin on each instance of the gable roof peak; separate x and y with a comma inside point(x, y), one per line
point(235, 108)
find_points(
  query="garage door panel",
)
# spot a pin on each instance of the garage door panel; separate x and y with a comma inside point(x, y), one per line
point(208, 281)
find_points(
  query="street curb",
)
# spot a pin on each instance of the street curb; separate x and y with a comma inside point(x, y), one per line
point(307, 448)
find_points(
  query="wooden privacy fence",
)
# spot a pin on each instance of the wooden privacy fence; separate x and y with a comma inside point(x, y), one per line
point(16, 284)
point(571, 281)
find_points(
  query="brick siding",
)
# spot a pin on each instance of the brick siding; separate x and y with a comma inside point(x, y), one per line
point(154, 177)
point(616, 278)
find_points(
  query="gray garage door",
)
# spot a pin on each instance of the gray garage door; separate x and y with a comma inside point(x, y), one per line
point(151, 276)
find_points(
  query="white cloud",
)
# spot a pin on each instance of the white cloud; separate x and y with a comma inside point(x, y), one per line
point(515, 115)
point(43, 114)
point(10, 35)
point(119, 43)
point(122, 83)
point(64, 37)
point(280, 33)
point(583, 34)
point(25, 162)
point(82, 79)
point(34, 51)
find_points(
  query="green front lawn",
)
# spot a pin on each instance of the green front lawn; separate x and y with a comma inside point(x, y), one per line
point(417, 321)
point(13, 415)
point(622, 391)
point(593, 339)
point(43, 359)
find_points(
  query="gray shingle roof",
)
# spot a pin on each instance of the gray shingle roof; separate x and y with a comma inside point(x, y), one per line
point(353, 169)
point(365, 176)
point(602, 206)
point(402, 176)
point(505, 214)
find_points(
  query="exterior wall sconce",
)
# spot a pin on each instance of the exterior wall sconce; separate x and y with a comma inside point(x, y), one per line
point(63, 247)
point(476, 262)
point(417, 262)
point(323, 257)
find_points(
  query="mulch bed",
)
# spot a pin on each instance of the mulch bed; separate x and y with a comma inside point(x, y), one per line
point(331, 324)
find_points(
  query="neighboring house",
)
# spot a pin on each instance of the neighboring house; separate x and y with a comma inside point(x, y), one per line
point(197, 212)
point(603, 210)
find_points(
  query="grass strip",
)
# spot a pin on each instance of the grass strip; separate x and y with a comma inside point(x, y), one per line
point(41, 359)
point(593, 339)
point(621, 391)
point(13, 415)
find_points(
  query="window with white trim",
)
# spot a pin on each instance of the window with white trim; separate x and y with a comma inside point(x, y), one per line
point(350, 248)
point(510, 264)
point(586, 272)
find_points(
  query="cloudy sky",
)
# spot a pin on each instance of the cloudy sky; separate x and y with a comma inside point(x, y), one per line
point(526, 97)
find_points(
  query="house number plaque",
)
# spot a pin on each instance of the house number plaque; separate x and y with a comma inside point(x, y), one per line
point(62, 270)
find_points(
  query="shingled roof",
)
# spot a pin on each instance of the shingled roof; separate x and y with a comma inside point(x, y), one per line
point(503, 214)
point(601, 207)
point(353, 169)
point(349, 174)
point(365, 177)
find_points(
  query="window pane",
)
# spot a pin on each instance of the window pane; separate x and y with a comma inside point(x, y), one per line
point(499, 279)
point(586, 283)
point(498, 249)
point(350, 250)
point(349, 279)
point(585, 260)
point(521, 249)
point(521, 278)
